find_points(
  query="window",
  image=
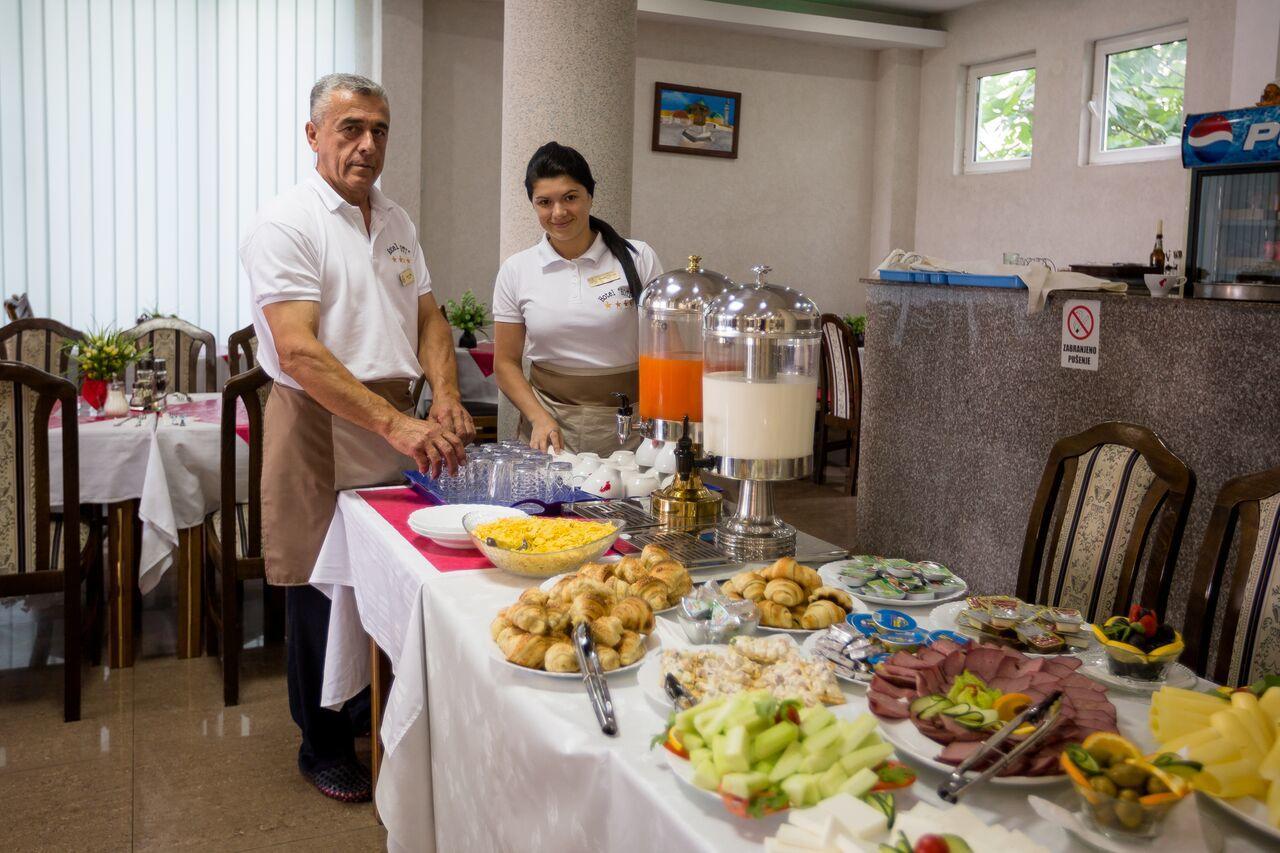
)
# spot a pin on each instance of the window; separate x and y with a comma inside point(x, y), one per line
point(1000, 101)
point(140, 138)
point(1136, 108)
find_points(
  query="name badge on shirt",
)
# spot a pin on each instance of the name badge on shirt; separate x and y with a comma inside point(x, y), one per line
point(604, 278)
point(406, 277)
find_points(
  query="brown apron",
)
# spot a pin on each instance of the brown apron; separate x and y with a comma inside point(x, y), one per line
point(580, 401)
point(308, 456)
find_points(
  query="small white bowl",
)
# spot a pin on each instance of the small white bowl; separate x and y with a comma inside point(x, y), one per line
point(1162, 285)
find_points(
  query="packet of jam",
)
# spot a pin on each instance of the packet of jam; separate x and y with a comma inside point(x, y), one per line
point(1006, 612)
point(1064, 619)
point(1038, 638)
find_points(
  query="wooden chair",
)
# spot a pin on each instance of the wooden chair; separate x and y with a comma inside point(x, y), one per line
point(38, 553)
point(40, 342)
point(1248, 644)
point(233, 533)
point(1126, 494)
point(18, 307)
point(243, 343)
point(839, 400)
point(180, 343)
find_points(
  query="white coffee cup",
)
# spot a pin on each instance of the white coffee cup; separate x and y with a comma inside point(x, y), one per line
point(1163, 285)
point(641, 484)
point(605, 482)
point(622, 458)
point(665, 461)
point(586, 463)
point(647, 452)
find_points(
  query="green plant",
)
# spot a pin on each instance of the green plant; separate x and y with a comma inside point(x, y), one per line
point(858, 324)
point(1005, 105)
point(103, 353)
point(152, 314)
point(468, 314)
point(1144, 95)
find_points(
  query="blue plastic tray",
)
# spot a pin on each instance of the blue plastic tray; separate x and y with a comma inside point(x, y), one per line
point(911, 277)
point(426, 486)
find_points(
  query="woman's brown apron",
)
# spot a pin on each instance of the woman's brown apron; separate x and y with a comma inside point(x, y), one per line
point(309, 455)
point(580, 401)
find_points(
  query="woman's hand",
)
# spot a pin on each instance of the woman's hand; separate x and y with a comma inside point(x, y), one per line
point(546, 435)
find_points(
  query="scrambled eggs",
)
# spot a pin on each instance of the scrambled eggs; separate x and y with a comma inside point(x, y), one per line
point(544, 535)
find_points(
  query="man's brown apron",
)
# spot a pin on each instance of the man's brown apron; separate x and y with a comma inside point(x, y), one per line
point(581, 403)
point(309, 455)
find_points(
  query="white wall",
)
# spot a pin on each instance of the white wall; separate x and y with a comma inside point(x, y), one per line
point(1070, 212)
point(798, 195)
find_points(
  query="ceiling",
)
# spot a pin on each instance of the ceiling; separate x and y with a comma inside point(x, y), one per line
point(910, 7)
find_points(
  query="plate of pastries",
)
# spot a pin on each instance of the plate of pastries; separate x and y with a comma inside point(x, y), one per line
point(534, 633)
point(652, 575)
point(791, 597)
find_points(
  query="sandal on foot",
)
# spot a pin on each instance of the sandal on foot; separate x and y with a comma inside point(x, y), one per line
point(348, 782)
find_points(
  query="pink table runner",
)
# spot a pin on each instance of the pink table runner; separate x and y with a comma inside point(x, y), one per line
point(395, 507)
point(210, 412)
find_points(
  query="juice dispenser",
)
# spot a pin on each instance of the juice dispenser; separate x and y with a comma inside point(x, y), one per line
point(759, 390)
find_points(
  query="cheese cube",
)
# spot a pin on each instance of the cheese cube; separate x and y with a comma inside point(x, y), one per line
point(801, 838)
point(819, 823)
point(773, 845)
point(845, 844)
point(854, 817)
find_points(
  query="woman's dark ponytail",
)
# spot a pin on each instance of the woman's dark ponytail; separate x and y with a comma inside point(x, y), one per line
point(554, 160)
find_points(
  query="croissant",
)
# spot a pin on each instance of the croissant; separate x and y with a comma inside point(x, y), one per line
point(740, 580)
point(753, 589)
point(774, 615)
point(783, 567)
point(533, 595)
point(785, 592)
point(630, 648)
point(607, 630)
point(619, 588)
point(557, 619)
point(508, 636)
point(499, 623)
point(808, 578)
point(821, 614)
point(653, 591)
point(528, 650)
point(588, 607)
point(529, 617)
point(654, 554)
point(609, 659)
point(830, 593)
point(797, 613)
point(635, 613)
point(558, 589)
point(596, 571)
point(732, 593)
point(580, 585)
point(630, 569)
point(674, 575)
point(561, 658)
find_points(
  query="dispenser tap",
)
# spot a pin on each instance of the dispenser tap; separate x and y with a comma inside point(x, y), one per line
point(624, 417)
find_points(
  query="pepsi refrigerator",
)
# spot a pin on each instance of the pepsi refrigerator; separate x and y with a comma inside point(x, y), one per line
point(1233, 227)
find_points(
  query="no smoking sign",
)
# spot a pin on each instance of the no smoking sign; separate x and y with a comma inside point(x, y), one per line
point(1081, 324)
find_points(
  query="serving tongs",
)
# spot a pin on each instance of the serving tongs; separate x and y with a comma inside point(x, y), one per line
point(676, 692)
point(1046, 713)
point(593, 678)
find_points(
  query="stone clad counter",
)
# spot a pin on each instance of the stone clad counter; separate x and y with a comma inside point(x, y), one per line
point(964, 396)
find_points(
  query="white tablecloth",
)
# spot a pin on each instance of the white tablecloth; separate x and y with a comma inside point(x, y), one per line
point(113, 460)
point(506, 760)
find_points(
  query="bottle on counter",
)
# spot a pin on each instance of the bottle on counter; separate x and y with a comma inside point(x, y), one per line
point(1157, 253)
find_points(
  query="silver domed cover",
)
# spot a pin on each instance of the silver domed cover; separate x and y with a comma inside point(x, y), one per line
point(760, 309)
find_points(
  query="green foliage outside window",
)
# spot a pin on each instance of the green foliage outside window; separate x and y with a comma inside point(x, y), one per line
point(1144, 96)
point(1005, 104)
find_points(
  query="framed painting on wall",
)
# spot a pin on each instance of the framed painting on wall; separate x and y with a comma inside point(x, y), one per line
point(694, 120)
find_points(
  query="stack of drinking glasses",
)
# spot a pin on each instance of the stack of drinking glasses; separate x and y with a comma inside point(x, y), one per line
point(506, 474)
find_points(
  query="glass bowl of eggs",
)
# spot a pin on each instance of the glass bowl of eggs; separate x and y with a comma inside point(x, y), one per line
point(537, 546)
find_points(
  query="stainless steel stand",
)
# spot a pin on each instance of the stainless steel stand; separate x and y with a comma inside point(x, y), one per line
point(754, 532)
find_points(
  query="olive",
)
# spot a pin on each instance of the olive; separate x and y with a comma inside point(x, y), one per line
point(1103, 814)
point(1129, 814)
point(1129, 795)
point(1103, 785)
point(1155, 786)
point(1099, 758)
point(1126, 775)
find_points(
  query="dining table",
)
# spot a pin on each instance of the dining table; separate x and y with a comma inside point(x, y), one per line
point(158, 475)
point(475, 753)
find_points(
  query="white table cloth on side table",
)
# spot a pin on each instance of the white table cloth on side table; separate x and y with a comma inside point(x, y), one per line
point(516, 759)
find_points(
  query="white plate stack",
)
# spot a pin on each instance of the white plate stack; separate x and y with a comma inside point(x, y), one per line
point(443, 524)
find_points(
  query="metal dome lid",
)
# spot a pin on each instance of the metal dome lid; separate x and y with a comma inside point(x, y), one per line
point(687, 290)
point(760, 309)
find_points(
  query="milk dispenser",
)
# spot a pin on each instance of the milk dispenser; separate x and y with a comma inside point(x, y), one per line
point(759, 390)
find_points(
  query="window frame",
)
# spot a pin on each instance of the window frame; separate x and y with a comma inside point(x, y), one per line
point(1096, 105)
point(969, 144)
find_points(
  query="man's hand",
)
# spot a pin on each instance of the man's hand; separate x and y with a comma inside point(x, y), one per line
point(427, 443)
point(448, 411)
point(545, 435)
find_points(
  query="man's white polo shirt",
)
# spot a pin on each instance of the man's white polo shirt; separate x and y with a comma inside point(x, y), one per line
point(576, 314)
point(309, 244)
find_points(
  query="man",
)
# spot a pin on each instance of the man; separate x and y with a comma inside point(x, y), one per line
point(345, 320)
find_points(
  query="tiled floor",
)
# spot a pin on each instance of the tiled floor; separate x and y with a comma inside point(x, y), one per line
point(157, 762)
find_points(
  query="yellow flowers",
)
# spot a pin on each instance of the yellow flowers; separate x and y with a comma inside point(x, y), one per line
point(103, 353)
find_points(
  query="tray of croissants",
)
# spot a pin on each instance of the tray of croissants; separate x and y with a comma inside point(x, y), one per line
point(616, 600)
point(791, 597)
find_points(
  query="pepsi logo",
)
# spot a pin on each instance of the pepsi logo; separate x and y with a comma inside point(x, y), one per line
point(1210, 138)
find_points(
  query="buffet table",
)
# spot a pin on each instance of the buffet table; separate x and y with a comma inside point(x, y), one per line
point(480, 756)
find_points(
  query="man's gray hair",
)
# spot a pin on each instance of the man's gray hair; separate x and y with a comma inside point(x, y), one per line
point(330, 83)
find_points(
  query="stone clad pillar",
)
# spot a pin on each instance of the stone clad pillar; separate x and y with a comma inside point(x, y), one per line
point(568, 74)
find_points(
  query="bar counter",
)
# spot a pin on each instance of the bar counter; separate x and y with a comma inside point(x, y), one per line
point(964, 397)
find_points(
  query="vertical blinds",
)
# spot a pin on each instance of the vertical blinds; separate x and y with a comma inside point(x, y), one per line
point(139, 137)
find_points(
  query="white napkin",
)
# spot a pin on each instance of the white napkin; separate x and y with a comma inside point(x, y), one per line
point(1040, 280)
point(1182, 824)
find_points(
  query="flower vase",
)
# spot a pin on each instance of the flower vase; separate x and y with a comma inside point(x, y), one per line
point(117, 404)
point(94, 392)
point(467, 340)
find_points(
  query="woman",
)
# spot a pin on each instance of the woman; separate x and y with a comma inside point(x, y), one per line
point(568, 303)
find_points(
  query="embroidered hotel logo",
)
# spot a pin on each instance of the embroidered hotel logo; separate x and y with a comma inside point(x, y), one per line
point(400, 254)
